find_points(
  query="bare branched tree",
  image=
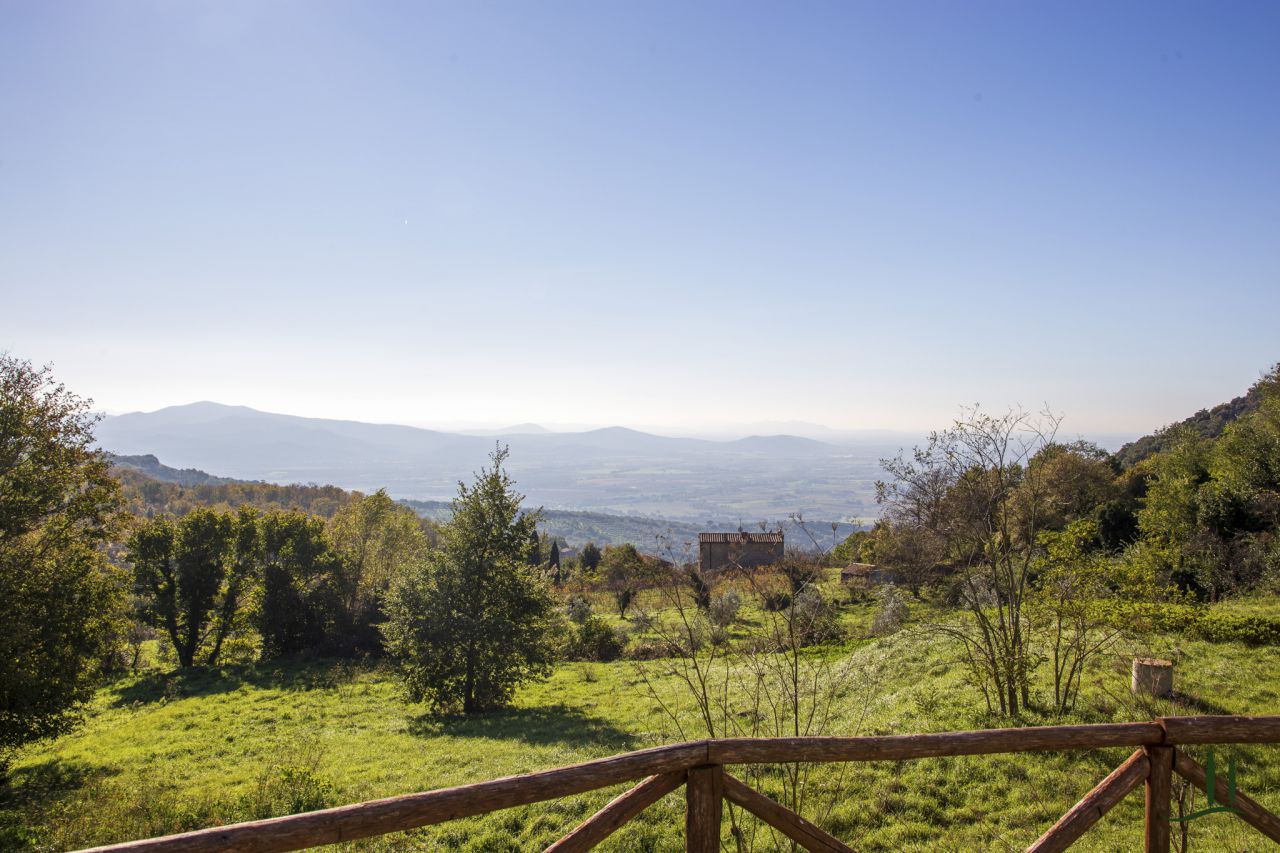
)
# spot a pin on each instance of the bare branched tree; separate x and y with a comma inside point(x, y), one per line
point(974, 492)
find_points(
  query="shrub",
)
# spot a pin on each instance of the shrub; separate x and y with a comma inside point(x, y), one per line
point(594, 640)
point(815, 618)
point(1201, 622)
point(579, 610)
point(774, 601)
point(724, 609)
point(891, 612)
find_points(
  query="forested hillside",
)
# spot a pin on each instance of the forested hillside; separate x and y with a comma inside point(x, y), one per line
point(1208, 423)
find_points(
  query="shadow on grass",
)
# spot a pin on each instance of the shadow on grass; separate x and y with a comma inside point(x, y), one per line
point(31, 795)
point(46, 781)
point(301, 674)
point(544, 726)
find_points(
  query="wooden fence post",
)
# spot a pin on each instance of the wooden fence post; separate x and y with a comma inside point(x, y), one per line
point(1159, 794)
point(704, 804)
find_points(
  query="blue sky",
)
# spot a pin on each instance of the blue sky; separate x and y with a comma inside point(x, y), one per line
point(686, 214)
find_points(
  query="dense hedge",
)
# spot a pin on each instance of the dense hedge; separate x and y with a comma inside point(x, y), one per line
point(1212, 625)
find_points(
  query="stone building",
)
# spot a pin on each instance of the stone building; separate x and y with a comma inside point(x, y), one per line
point(718, 551)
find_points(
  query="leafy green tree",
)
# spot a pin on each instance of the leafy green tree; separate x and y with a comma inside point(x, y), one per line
point(242, 577)
point(378, 540)
point(301, 586)
point(181, 568)
point(624, 572)
point(58, 506)
point(589, 559)
point(475, 620)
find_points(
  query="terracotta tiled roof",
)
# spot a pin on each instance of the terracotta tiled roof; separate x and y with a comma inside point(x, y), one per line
point(741, 538)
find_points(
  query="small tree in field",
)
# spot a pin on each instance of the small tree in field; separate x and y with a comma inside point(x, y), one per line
point(589, 559)
point(181, 569)
point(475, 620)
point(624, 571)
point(58, 505)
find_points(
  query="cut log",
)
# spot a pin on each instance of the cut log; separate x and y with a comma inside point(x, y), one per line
point(1249, 810)
point(1152, 677)
point(781, 818)
point(1094, 805)
point(619, 810)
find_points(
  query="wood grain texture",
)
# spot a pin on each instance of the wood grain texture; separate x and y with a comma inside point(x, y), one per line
point(704, 808)
point(898, 747)
point(619, 810)
point(1159, 795)
point(793, 826)
point(1220, 729)
point(393, 814)
point(1094, 805)
point(1250, 811)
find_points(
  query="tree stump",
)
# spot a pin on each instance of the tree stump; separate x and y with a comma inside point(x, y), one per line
point(1153, 677)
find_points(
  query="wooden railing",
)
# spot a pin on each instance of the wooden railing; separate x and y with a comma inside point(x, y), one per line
point(700, 767)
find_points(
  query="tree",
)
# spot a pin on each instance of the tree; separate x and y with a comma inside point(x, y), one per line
point(1074, 576)
point(555, 562)
point(624, 571)
point(978, 487)
point(475, 620)
point(180, 568)
point(589, 559)
point(301, 586)
point(378, 540)
point(58, 506)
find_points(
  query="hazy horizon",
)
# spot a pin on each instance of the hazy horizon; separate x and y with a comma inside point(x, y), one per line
point(715, 432)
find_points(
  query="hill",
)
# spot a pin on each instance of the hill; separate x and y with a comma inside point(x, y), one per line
point(1207, 422)
point(153, 487)
point(152, 467)
point(614, 470)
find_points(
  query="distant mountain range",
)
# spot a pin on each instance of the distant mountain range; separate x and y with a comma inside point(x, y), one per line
point(614, 469)
point(658, 536)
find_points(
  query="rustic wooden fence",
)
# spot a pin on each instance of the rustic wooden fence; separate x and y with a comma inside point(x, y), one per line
point(700, 767)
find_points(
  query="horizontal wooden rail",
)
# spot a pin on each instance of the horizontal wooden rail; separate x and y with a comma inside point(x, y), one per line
point(394, 814)
point(900, 747)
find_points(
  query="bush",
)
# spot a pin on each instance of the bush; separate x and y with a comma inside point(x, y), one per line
point(579, 610)
point(815, 618)
point(594, 640)
point(1201, 622)
point(891, 612)
point(775, 601)
point(724, 609)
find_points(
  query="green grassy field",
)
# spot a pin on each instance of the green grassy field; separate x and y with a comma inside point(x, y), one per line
point(165, 752)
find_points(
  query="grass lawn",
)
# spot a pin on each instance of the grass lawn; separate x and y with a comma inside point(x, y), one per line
point(165, 752)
